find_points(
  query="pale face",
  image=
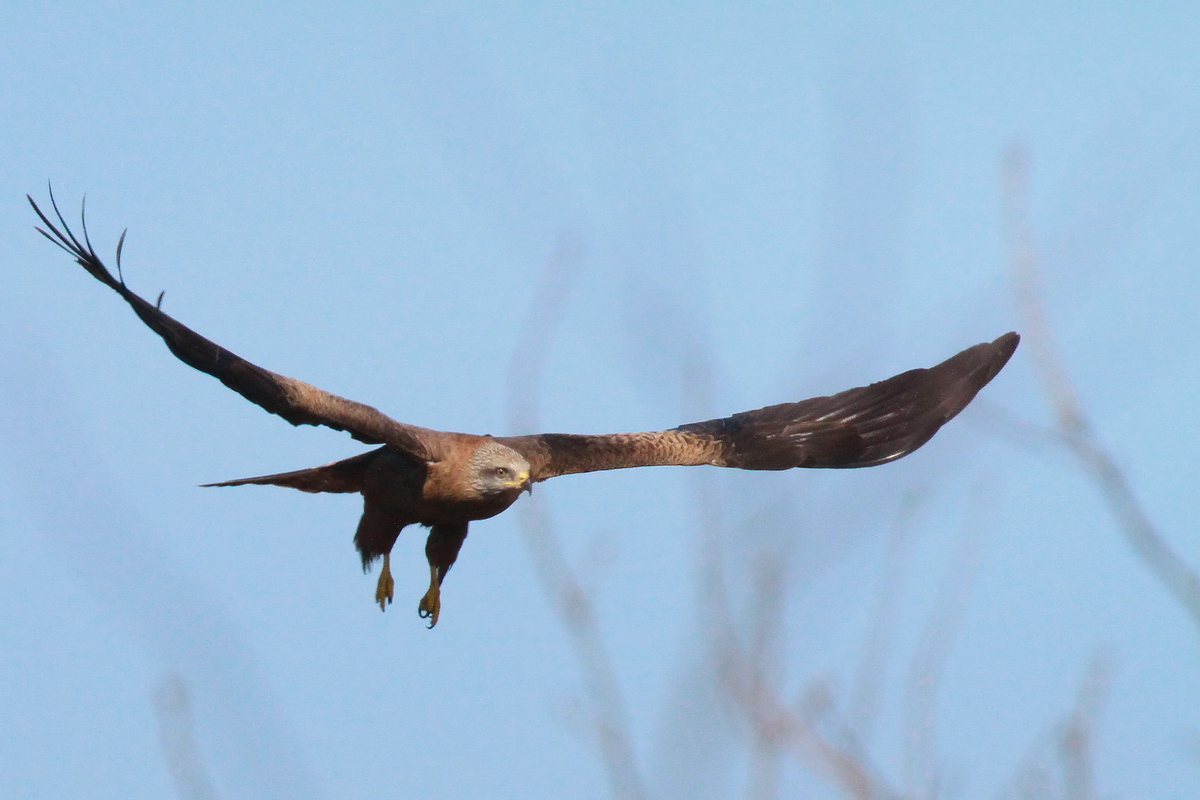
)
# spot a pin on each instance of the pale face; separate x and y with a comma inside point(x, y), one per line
point(499, 470)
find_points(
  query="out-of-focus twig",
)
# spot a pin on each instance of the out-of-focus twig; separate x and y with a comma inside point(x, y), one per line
point(766, 645)
point(868, 683)
point(1077, 737)
point(567, 596)
point(177, 736)
point(933, 650)
point(545, 313)
point(748, 675)
point(1074, 428)
point(1024, 260)
point(791, 729)
point(1061, 766)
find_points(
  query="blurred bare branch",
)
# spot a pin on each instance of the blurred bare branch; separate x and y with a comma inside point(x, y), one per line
point(573, 604)
point(1061, 766)
point(1033, 779)
point(104, 544)
point(766, 645)
point(933, 650)
point(794, 730)
point(545, 314)
point(777, 727)
point(1077, 737)
point(1073, 426)
point(869, 680)
point(176, 734)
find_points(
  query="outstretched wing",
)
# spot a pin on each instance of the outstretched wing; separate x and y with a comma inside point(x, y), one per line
point(296, 401)
point(859, 427)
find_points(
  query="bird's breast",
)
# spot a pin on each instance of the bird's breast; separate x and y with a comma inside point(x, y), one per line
point(448, 495)
point(436, 493)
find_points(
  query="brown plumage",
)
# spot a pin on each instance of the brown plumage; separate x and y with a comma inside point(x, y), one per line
point(446, 480)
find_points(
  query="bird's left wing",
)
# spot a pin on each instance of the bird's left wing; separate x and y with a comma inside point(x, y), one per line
point(859, 427)
point(296, 401)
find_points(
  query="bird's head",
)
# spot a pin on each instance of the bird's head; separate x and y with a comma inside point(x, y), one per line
point(500, 470)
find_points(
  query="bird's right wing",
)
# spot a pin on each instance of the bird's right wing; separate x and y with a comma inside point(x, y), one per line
point(296, 401)
point(859, 427)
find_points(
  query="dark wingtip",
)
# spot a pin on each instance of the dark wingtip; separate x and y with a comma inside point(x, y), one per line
point(976, 366)
point(234, 482)
point(1008, 343)
point(1005, 346)
point(62, 237)
point(120, 247)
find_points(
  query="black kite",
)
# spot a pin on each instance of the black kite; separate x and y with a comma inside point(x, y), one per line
point(445, 480)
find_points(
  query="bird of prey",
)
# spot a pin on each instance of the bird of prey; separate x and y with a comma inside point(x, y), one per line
point(445, 481)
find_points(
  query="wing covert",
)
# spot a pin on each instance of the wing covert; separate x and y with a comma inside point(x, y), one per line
point(553, 454)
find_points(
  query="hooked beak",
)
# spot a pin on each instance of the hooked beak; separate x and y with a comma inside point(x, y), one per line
point(527, 486)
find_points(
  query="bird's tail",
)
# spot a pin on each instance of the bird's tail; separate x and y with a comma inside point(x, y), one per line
point(341, 476)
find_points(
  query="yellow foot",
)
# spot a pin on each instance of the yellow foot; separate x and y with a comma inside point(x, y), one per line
point(383, 589)
point(431, 603)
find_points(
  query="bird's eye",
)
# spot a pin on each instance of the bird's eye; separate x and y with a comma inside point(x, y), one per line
point(501, 472)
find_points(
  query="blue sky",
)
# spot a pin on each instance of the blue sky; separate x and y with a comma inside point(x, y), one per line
point(746, 203)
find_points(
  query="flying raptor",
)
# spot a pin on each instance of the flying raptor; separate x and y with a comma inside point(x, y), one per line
point(445, 480)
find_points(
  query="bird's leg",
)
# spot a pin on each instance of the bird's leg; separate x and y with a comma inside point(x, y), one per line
point(441, 549)
point(383, 589)
point(431, 604)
